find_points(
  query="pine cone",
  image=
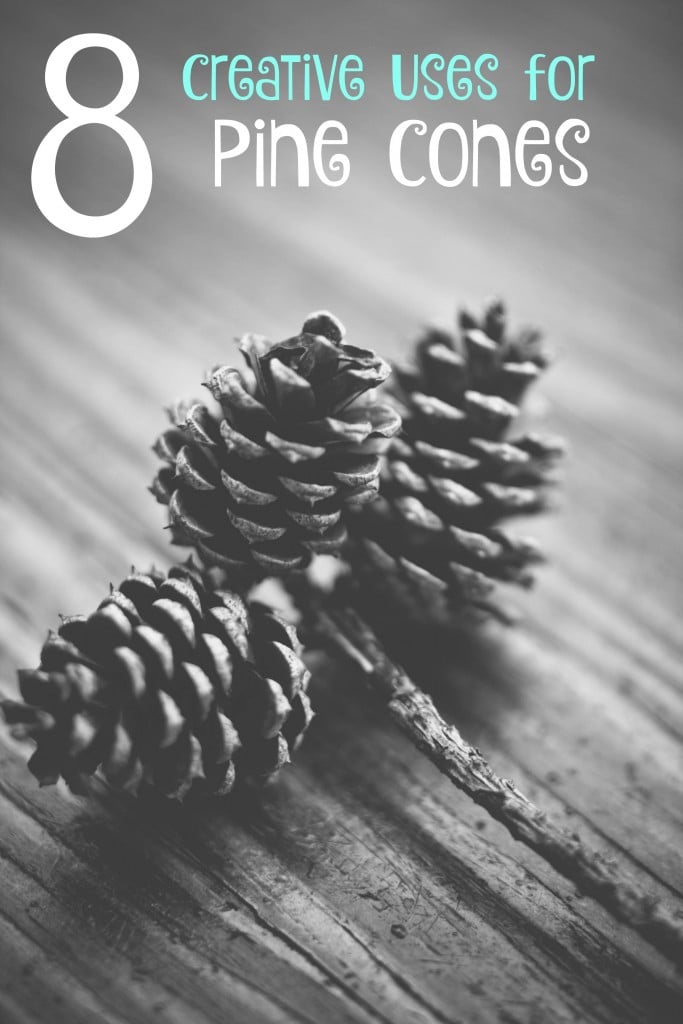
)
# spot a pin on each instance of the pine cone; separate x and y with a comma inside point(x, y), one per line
point(168, 683)
point(261, 482)
point(432, 540)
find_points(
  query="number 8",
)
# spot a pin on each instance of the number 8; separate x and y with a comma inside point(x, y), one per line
point(43, 177)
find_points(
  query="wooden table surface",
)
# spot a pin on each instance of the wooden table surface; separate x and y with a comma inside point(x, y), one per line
point(363, 887)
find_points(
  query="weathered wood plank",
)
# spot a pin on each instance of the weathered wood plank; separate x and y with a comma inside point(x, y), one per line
point(362, 888)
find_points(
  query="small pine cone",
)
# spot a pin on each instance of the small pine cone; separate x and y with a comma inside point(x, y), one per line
point(455, 473)
point(170, 684)
point(260, 483)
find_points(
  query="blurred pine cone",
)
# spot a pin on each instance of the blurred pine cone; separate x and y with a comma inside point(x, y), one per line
point(431, 543)
point(169, 683)
point(261, 482)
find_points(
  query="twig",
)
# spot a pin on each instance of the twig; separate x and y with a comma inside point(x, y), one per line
point(414, 712)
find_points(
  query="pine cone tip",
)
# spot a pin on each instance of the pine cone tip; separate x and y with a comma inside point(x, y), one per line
point(326, 325)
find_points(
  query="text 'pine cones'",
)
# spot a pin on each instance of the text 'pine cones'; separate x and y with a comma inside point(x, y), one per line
point(262, 482)
point(432, 541)
point(167, 683)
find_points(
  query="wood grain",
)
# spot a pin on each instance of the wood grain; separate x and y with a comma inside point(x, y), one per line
point(361, 887)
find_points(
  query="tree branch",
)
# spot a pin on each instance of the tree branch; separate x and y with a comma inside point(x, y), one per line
point(343, 630)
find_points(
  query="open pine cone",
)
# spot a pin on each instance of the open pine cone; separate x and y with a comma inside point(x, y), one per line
point(432, 542)
point(168, 683)
point(261, 482)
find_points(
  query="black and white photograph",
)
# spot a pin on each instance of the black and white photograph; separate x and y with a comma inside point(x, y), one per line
point(341, 546)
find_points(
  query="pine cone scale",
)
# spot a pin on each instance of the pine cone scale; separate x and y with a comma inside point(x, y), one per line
point(240, 445)
point(243, 493)
point(196, 468)
point(292, 450)
point(307, 491)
